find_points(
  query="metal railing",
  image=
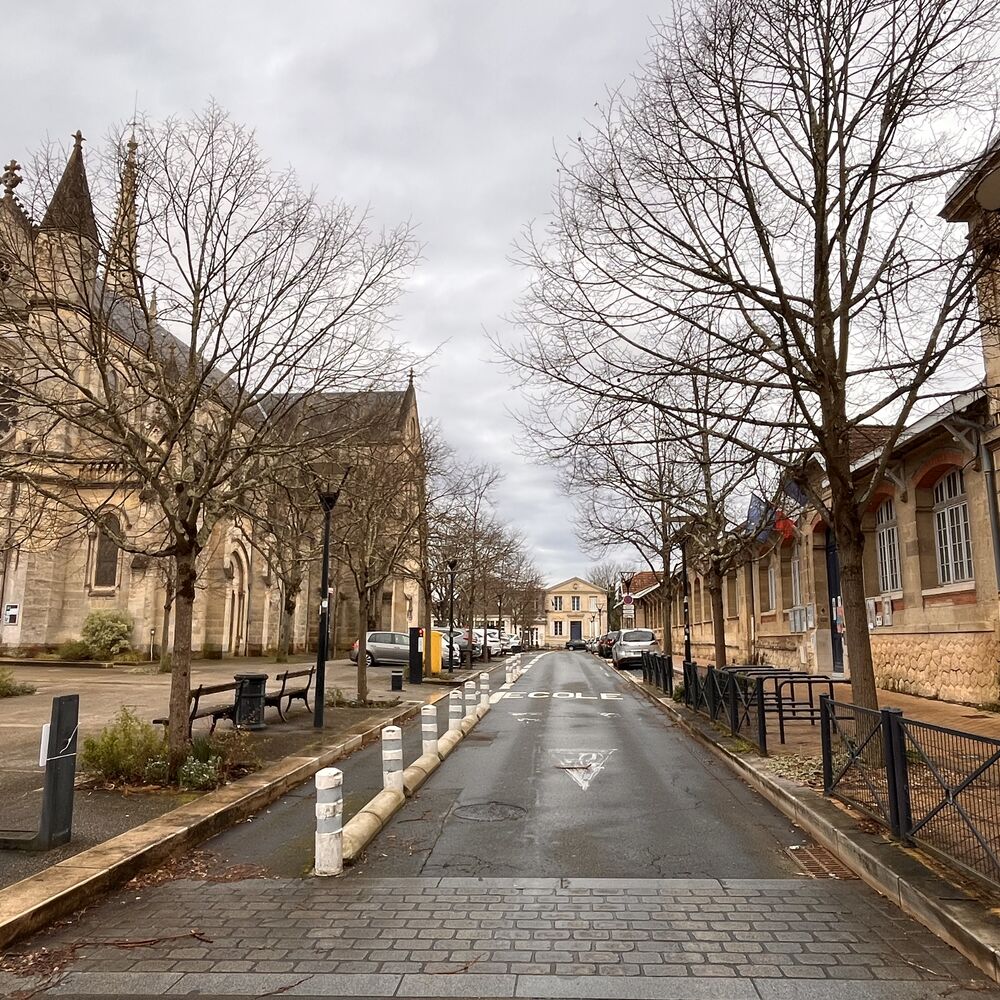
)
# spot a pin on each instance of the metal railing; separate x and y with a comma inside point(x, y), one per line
point(934, 786)
point(732, 696)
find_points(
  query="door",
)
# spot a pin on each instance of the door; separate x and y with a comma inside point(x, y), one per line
point(833, 589)
point(576, 630)
point(379, 646)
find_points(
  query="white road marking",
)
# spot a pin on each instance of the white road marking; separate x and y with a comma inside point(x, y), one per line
point(582, 765)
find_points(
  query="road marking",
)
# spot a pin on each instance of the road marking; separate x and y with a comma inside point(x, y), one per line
point(526, 717)
point(564, 695)
point(582, 765)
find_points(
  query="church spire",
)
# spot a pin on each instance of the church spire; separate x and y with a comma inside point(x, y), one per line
point(122, 275)
point(71, 209)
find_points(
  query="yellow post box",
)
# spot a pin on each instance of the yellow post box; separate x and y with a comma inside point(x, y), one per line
point(432, 653)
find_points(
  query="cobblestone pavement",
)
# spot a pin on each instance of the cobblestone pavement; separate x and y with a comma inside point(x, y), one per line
point(753, 938)
point(383, 932)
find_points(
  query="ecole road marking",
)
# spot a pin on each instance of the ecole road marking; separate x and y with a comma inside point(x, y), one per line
point(564, 695)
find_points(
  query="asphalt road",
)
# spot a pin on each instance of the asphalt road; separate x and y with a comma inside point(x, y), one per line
point(574, 774)
point(576, 844)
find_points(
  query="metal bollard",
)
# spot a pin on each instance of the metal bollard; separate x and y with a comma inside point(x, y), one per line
point(470, 697)
point(392, 759)
point(484, 689)
point(329, 821)
point(454, 711)
point(429, 729)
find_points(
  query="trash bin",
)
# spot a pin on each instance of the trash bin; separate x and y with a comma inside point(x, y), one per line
point(396, 682)
point(250, 689)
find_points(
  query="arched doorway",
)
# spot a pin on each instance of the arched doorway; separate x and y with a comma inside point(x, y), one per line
point(236, 603)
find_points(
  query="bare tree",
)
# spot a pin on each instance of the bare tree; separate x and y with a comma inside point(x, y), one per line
point(761, 212)
point(180, 343)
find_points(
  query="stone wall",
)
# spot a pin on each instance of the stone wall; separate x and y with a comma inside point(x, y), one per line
point(953, 666)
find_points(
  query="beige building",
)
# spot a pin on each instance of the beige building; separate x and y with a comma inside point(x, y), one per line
point(932, 544)
point(574, 609)
point(51, 580)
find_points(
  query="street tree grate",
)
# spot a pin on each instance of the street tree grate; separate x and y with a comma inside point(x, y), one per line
point(818, 862)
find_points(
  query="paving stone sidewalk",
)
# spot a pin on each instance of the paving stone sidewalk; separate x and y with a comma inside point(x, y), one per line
point(356, 936)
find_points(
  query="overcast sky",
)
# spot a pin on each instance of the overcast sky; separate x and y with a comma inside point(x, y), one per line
point(445, 112)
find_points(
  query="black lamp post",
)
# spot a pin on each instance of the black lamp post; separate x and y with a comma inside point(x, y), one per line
point(593, 618)
point(328, 500)
point(452, 569)
point(687, 599)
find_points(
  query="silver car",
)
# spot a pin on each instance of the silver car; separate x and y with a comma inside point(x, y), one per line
point(631, 644)
point(384, 647)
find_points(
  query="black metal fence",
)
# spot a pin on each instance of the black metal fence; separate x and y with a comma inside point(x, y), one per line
point(732, 697)
point(658, 670)
point(934, 786)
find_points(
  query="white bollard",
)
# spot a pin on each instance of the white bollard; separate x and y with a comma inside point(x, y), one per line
point(392, 759)
point(484, 689)
point(429, 729)
point(329, 821)
point(470, 697)
point(509, 674)
point(454, 711)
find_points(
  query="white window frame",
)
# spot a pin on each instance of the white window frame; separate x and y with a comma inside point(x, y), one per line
point(890, 578)
point(574, 603)
point(952, 534)
point(557, 603)
point(557, 629)
point(796, 574)
point(772, 587)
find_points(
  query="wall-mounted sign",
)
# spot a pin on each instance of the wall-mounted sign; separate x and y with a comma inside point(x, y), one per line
point(10, 613)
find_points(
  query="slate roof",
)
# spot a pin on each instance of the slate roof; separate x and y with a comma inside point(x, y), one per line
point(71, 209)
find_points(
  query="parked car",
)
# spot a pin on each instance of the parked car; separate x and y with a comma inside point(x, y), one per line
point(492, 638)
point(462, 643)
point(631, 644)
point(515, 644)
point(383, 647)
point(591, 645)
point(446, 646)
point(605, 643)
point(576, 644)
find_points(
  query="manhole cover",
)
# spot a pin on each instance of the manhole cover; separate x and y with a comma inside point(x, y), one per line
point(818, 862)
point(489, 812)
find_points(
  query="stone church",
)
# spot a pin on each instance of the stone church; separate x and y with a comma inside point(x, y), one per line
point(48, 585)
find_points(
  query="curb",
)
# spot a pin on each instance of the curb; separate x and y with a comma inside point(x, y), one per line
point(36, 901)
point(371, 819)
point(889, 868)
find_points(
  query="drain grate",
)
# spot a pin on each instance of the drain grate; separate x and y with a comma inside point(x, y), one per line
point(817, 862)
point(488, 812)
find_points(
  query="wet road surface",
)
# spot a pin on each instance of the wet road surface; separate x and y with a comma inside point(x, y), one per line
point(577, 844)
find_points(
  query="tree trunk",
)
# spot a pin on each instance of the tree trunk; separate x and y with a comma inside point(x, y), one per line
point(168, 603)
point(363, 611)
point(718, 617)
point(288, 606)
point(180, 662)
point(850, 550)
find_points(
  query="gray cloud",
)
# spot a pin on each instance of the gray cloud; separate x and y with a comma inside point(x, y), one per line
point(445, 112)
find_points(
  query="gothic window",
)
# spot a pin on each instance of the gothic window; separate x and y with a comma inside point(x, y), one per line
point(951, 529)
point(887, 547)
point(106, 558)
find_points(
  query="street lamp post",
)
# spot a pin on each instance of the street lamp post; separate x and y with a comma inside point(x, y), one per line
point(593, 618)
point(452, 568)
point(600, 620)
point(687, 599)
point(328, 500)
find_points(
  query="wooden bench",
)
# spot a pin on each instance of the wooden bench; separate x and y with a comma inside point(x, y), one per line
point(293, 692)
point(213, 712)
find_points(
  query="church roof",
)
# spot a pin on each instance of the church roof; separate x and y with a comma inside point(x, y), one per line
point(71, 209)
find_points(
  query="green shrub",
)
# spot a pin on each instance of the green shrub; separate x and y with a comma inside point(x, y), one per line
point(678, 694)
point(75, 649)
point(200, 775)
point(107, 633)
point(11, 687)
point(123, 750)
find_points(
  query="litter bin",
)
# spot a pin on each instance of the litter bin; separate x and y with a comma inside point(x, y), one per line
point(396, 682)
point(250, 689)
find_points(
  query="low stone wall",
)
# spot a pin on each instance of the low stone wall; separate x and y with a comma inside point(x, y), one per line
point(952, 666)
point(780, 651)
